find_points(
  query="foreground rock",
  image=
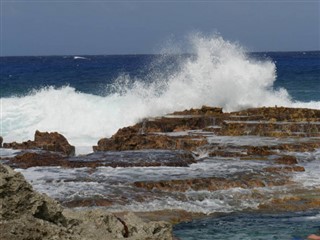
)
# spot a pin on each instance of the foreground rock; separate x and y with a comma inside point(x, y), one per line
point(46, 141)
point(26, 214)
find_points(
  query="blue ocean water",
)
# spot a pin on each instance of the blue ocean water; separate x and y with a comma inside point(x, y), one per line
point(253, 226)
point(88, 74)
point(297, 72)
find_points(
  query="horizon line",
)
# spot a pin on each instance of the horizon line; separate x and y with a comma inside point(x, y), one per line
point(144, 54)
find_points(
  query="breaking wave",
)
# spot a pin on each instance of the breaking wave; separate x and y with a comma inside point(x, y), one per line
point(219, 73)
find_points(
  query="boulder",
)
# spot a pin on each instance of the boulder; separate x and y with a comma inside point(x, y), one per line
point(18, 199)
point(47, 141)
point(26, 214)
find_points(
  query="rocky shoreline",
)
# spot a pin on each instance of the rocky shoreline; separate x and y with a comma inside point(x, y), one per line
point(275, 142)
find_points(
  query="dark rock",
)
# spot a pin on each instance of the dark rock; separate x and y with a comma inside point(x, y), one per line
point(110, 159)
point(36, 159)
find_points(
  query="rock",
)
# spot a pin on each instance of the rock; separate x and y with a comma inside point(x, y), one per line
point(285, 169)
point(128, 159)
point(302, 201)
point(282, 113)
point(47, 141)
point(26, 214)
point(127, 140)
point(33, 159)
point(138, 229)
point(53, 142)
point(205, 110)
point(1, 141)
point(272, 122)
point(215, 183)
point(18, 199)
point(289, 160)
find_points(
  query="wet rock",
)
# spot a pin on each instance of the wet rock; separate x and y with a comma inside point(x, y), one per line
point(204, 110)
point(134, 141)
point(53, 142)
point(272, 122)
point(46, 141)
point(284, 169)
point(259, 150)
point(33, 159)
point(215, 183)
point(289, 160)
point(107, 159)
point(282, 113)
point(301, 201)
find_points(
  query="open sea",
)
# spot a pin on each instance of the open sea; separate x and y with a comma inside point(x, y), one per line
point(86, 98)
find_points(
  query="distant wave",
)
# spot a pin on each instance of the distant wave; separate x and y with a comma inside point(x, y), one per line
point(79, 57)
point(220, 74)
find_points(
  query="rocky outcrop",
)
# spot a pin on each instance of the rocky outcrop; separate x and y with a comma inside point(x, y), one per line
point(130, 139)
point(214, 183)
point(94, 160)
point(159, 133)
point(281, 114)
point(46, 141)
point(301, 201)
point(1, 141)
point(204, 110)
point(25, 214)
point(18, 199)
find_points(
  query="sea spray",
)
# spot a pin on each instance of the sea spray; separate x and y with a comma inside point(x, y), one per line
point(218, 73)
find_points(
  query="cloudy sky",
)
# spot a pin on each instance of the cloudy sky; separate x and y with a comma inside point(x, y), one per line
point(61, 27)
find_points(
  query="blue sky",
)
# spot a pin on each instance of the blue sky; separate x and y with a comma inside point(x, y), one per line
point(129, 27)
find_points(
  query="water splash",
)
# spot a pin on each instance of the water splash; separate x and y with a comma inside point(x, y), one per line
point(219, 73)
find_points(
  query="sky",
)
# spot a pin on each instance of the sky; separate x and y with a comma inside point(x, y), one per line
point(65, 27)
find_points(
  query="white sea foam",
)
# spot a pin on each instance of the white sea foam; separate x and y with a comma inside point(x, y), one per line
point(79, 57)
point(220, 74)
point(311, 162)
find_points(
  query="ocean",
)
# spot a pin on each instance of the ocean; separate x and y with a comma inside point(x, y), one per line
point(86, 98)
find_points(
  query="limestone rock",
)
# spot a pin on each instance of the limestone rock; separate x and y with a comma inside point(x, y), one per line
point(18, 198)
point(25, 214)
